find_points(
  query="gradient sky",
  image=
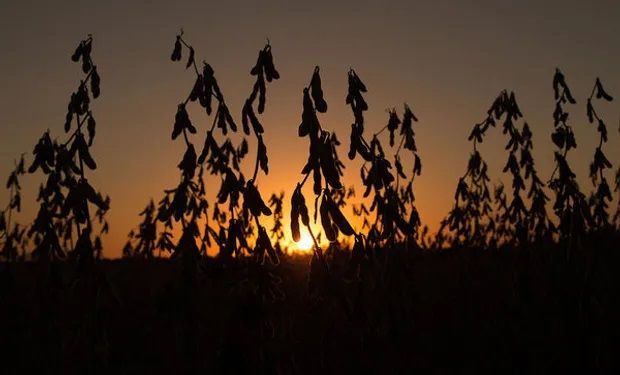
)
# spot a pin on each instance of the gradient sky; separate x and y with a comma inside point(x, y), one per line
point(447, 59)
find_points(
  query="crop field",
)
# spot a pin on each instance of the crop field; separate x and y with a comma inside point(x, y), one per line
point(517, 278)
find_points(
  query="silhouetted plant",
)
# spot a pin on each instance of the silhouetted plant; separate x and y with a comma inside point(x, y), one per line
point(540, 226)
point(468, 218)
point(570, 204)
point(499, 229)
point(323, 163)
point(12, 237)
point(473, 220)
point(253, 204)
point(277, 231)
point(602, 195)
point(66, 197)
point(391, 202)
point(66, 203)
point(146, 236)
point(187, 203)
point(396, 210)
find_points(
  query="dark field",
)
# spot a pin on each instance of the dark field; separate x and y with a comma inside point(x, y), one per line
point(455, 311)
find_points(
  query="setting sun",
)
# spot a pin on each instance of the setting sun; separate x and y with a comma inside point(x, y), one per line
point(309, 186)
point(305, 243)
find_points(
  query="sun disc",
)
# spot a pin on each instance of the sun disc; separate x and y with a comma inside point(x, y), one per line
point(305, 243)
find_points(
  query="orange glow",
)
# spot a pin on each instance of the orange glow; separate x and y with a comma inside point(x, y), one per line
point(449, 80)
point(305, 243)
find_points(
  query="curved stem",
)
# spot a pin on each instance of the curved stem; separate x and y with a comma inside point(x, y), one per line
point(593, 89)
point(402, 141)
point(255, 167)
point(190, 47)
point(317, 248)
point(185, 137)
point(380, 131)
point(217, 112)
point(304, 180)
point(76, 131)
point(8, 223)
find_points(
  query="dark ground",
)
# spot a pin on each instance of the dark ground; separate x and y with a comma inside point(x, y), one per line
point(459, 311)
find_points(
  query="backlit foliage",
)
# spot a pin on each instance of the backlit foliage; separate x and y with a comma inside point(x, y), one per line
point(482, 217)
point(65, 223)
point(12, 234)
point(229, 228)
point(230, 291)
point(599, 200)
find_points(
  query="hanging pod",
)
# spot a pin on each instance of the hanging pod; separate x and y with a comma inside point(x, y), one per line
point(327, 162)
point(254, 201)
point(264, 244)
point(417, 165)
point(229, 185)
point(197, 92)
point(399, 167)
point(263, 160)
point(317, 91)
point(309, 121)
point(77, 54)
point(248, 116)
point(182, 121)
point(245, 117)
point(338, 218)
point(331, 231)
point(82, 148)
point(224, 119)
point(209, 146)
point(91, 125)
point(176, 52)
point(190, 59)
point(392, 125)
point(295, 218)
point(188, 163)
point(95, 82)
point(600, 92)
point(270, 69)
point(209, 86)
point(262, 92)
point(258, 67)
point(43, 155)
point(298, 208)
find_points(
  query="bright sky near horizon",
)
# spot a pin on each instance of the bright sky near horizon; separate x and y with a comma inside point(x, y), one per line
point(447, 59)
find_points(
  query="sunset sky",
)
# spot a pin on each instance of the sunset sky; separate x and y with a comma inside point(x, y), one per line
point(447, 59)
